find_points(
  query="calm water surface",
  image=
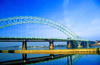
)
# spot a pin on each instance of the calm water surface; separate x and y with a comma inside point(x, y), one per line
point(53, 59)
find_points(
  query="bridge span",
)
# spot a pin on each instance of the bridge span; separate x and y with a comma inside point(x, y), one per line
point(73, 39)
point(70, 42)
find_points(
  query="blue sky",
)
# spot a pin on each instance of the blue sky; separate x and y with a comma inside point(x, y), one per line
point(81, 16)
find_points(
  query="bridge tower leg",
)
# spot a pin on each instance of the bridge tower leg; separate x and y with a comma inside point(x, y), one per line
point(51, 45)
point(24, 46)
point(84, 44)
point(87, 44)
point(79, 44)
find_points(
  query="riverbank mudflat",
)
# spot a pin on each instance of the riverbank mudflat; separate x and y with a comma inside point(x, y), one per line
point(56, 51)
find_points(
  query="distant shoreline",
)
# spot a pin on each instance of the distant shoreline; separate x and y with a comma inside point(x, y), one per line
point(32, 46)
point(96, 44)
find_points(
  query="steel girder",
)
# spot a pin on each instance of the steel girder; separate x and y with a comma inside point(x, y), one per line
point(30, 19)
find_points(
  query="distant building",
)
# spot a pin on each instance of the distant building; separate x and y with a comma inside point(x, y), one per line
point(56, 44)
point(42, 46)
point(20, 46)
point(99, 43)
point(47, 46)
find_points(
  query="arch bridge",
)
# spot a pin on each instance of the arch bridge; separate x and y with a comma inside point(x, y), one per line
point(73, 39)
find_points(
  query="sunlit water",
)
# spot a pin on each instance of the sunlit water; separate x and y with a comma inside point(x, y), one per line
point(83, 60)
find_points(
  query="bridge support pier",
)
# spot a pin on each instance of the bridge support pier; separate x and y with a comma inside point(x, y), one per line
point(51, 45)
point(24, 46)
point(69, 44)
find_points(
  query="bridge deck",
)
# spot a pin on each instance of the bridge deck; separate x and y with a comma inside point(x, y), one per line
point(37, 39)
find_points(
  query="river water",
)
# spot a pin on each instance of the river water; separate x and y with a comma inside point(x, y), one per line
point(50, 59)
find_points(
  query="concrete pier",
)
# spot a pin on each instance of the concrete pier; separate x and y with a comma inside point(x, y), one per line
point(24, 46)
point(51, 45)
point(69, 45)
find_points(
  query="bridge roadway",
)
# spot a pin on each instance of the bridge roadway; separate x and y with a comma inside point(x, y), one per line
point(37, 39)
point(50, 40)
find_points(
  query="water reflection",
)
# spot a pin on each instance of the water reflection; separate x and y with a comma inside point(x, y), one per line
point(71, 59)
point(68, 59)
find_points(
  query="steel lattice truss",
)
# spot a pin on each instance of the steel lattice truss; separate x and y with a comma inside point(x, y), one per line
point(30, 19)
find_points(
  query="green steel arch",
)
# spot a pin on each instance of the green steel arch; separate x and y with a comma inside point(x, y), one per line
point(30, 19)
